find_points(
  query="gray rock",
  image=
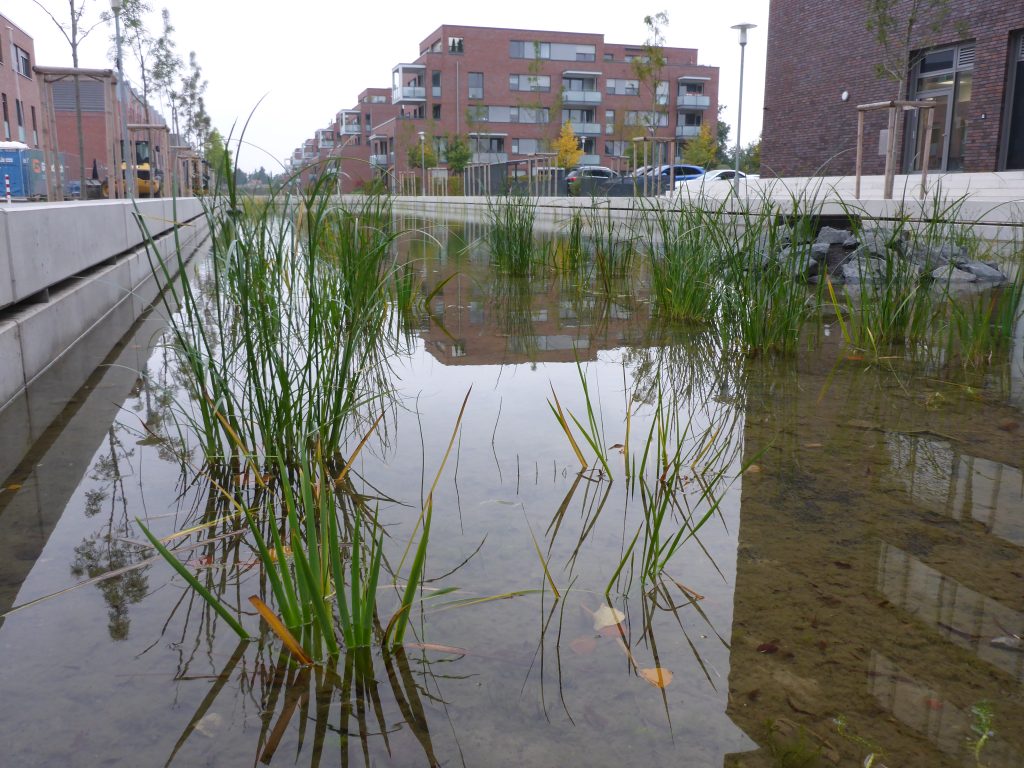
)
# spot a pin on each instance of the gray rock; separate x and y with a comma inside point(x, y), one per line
point(951, 274)
point(860, 270)
point(830, 235)
point(879, 240)
point(851, 242)
point(984, 271)
point(819, 251)
point(932, 256)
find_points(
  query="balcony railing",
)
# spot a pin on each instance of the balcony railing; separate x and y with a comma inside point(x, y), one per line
point(585, 128)
point(590, 160)
point(408, 93)
point(693, 100)
point(490, 157)
point(687, 131)
point(350, 129)
point(581, 97)
point(382, 161)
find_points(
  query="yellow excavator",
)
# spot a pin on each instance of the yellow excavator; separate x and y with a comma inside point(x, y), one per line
point(148, 174)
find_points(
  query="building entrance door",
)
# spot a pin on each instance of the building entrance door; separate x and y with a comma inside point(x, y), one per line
point(943, 76)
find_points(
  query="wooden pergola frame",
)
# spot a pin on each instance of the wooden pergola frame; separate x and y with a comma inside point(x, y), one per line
point(893, 107)
point(51, 148)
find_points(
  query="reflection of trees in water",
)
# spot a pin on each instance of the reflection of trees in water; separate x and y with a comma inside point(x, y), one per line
point(108, 549)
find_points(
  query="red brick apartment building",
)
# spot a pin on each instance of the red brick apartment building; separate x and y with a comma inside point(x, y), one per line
point(509, 91)
point(822, 63)
point(19, 90)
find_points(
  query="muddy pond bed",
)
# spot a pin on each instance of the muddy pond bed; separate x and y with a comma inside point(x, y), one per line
point(629, 541)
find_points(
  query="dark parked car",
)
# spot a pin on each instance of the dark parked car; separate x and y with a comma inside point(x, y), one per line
point(678, 172)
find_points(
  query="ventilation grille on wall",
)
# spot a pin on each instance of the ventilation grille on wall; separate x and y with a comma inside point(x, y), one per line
point(1020, 49)
point(965, 56)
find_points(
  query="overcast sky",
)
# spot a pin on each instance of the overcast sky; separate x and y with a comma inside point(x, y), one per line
point(310, 58)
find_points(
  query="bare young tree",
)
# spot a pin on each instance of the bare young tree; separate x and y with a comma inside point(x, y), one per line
point(75, 32)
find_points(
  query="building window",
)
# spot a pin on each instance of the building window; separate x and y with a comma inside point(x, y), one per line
point(35, 131)
point(456, 45)
point(532, 115)
point(649, 119)
point(534, 83)
point(692, 119)
point(525, 146)
point(495, 144)
point(20, 110)
point(436, 111)
point(622, 87)
point(7, 120)
point(435, 84)
point(661, 93)
point(475, 82)
point(609, 121)
point(22, 65)
point(616, 148)
point(527, 49)
point(607, 57)
point(1013, 147)
point(691, 89)
point(945, 76)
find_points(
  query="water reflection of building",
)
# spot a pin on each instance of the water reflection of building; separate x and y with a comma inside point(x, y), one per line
point(880, 557)
point(481, 317)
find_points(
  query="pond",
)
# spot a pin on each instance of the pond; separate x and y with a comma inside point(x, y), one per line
point(781, 560)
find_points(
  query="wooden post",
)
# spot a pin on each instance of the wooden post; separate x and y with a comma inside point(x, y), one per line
point(50, 157)
point(929, 114)
point(890, 154)
point(860, 152)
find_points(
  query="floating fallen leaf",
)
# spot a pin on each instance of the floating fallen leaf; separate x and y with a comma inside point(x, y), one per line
point(753, 469)
point(1009, 425)
point(613, 631)
point(210, 724)
point(583, 645)
point(617, 447)
point(438, 648)
point(767, 648)
point(814, 445)
point(659, 677)
point(606, 616)
point(14, 487)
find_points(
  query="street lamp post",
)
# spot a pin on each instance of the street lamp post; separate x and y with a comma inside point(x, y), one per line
point(739, 113)
point(423, 162)
point(122, 92)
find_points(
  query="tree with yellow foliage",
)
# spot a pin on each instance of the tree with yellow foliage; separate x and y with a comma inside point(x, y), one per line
point(567, 147)
point(703, 150)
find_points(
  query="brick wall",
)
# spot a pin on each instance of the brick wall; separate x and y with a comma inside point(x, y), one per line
point(818, 50)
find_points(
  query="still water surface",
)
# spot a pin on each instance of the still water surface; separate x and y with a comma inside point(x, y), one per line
point(866, 568)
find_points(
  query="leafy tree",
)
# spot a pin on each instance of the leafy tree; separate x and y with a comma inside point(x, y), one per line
point(457, 153)
point(166, 66)
point(724, 152)
point(750, 157)
point(422, 157)
point(892, 24)
point(567, 147)
point(703, 150)
point(74, 32)
point(648, 67)
point(217, 155)
point(193, 105)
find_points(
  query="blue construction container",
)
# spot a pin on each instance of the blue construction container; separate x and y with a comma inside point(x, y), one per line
point(26, 169)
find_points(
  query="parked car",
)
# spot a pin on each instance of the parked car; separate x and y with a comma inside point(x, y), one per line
point(592, 172)
point(601, 175)
point(708, 182)
point(679, 172)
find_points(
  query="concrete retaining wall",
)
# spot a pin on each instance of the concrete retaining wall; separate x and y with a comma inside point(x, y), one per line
point(992, 204)
point(62, 290)
point(43, 244)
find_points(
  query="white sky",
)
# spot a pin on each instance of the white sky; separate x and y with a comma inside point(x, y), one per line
point(310, 58)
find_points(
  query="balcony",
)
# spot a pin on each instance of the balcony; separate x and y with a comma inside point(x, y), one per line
point(382, 161)
point(408, 93)
point(590, 160)
point(407, 83)
point(490, 157)
point(687, 131)
point(581, 97)
point(584, 129)
point(693, 101)
point(352, 128)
